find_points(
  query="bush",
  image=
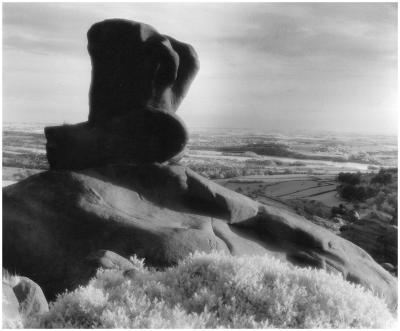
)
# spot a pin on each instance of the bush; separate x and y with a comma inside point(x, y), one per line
point(349, 178)
point(353, 193)
point(341, 210)
point(382, 177)
point(218, 291)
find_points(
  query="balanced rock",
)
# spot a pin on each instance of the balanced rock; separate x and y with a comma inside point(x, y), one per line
point(139, 78)
point(54, 220)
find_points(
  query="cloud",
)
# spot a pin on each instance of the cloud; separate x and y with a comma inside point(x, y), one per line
point(264, 60)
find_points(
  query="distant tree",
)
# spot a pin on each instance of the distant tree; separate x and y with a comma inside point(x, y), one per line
point(353, 216)
point(340, 210)
point(382, 177)
point(380, 198)
point(349, 178)
point(394, 216)
point(353, 193)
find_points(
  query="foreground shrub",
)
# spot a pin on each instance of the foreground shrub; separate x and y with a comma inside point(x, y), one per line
point(214, 291)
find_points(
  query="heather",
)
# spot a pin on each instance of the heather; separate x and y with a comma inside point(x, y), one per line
point(217, 291)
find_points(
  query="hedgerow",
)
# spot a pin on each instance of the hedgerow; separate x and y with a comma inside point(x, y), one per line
point(217, 291)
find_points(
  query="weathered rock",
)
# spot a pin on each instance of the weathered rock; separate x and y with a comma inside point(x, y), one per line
point(52, 221)
point(139, 78)
point(378, 238)
point(109, 260)
point(30, 297)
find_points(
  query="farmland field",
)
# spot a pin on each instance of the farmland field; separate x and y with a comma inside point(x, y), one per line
point(321, 157)
point(321, 188)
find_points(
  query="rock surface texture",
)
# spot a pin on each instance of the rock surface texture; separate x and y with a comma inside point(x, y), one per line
point(53, 221)
point(139, 78)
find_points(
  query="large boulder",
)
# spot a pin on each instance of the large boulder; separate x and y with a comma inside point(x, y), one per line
point(54, 220)
point(139, 78)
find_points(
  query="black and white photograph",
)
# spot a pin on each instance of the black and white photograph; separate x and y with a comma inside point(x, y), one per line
point(200, 165)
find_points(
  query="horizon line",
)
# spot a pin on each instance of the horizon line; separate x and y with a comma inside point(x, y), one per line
point(257, 130)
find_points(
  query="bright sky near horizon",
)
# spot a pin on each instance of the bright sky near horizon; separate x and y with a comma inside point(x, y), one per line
point(264, 66)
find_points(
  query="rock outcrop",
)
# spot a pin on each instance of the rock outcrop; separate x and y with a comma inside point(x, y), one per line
point(139, 78)
point(53, 221)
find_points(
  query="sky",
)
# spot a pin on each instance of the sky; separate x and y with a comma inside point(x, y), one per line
point(264, 66)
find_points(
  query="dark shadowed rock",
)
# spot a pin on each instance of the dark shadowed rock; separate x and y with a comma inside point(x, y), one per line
point(139, 78)
point(134, 67)
point(156, 137)
point(52, 221)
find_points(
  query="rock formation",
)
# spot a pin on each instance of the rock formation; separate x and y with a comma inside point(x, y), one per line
point(60, 225)
point(55, 220)
point(139, 78)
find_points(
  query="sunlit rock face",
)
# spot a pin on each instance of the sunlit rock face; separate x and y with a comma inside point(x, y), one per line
point(139, 78)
